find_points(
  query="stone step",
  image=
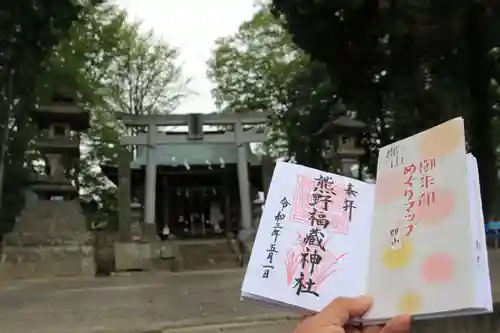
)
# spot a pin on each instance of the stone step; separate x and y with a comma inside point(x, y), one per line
point(216, 262)
point(217, 254)
point(214, 266)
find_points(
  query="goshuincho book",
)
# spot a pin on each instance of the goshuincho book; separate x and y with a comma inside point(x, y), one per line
point(414, 241)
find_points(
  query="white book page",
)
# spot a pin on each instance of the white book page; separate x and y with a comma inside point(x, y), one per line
point(313, 238)
point(483, 284)
point(473, 216)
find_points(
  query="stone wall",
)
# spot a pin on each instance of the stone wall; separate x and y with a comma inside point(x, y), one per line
point(206, 254)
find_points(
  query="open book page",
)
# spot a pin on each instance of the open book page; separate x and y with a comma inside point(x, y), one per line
point(422, 251)
point(313, 239)
point(483, 282)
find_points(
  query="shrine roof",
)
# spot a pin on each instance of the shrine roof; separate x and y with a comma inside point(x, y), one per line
point(195, 154)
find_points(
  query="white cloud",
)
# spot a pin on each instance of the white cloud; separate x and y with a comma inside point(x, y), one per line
point(192, 26)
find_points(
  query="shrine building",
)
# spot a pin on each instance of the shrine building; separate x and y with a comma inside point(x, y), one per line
point(196, 186)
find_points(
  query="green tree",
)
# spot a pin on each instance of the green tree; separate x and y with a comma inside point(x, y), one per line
point(260, 69)
point(112, 67)
point(147, 79)
point(311, 104)
point(480, 35)
point(80, 64)
point(103, 60)
point(31, 29)
point(405, 66)
point(252, 70)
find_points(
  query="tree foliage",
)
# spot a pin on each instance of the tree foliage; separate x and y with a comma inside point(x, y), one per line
point(117, 69)
point(147, 79)
point(405, 66)
point(31, 29)
point(260, 69)
point(311, 104)
point(253, 67)
point(109, 66)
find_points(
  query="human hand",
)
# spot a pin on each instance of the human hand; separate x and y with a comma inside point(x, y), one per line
point(334, 317)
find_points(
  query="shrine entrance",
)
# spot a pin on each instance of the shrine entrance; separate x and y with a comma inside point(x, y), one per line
point(199, 212)
point(239, 130)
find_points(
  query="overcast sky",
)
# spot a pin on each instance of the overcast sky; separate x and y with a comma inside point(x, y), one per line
point(192, 26)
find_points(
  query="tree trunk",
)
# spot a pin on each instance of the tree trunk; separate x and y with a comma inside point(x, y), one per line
point(5, 112)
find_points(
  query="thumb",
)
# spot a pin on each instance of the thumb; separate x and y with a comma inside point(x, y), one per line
point(338, 312)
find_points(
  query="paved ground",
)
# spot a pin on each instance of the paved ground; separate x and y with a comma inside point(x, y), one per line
point(136, 302)
point(276, 326)
point(201, 302)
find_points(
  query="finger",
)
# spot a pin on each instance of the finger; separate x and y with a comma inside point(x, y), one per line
point(341, 309)
point(352, 329)
point(399, 324)
point(372, 329)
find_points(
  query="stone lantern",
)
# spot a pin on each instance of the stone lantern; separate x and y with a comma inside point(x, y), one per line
point(50, 237)
point(59, 124)
point(343, 134)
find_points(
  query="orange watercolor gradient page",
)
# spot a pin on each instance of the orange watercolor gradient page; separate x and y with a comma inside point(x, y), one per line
point(420, 239)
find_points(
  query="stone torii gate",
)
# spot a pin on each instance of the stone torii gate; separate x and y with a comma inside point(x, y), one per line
point(239, 136)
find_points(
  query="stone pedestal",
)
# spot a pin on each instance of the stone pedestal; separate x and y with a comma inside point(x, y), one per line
point(246, 239)
point(133, 256)
point(50, 239)
point(144, 256)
